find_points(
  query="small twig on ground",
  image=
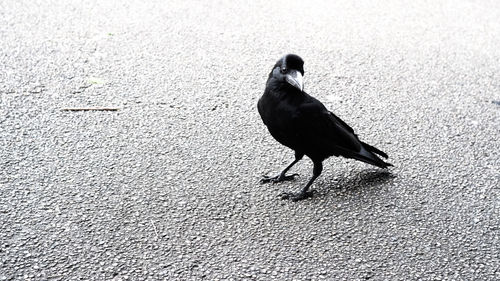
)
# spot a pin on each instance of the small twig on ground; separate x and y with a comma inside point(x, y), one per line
point(90, 109)
point(154, 227)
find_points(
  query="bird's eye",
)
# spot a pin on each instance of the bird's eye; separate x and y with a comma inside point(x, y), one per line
point(283, 70)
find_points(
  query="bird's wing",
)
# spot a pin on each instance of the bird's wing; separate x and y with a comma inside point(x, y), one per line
point(364, 145)
point(325, 129)
point(325, 134)
point(346, 138)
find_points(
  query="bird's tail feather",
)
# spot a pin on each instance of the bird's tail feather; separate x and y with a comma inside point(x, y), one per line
point(373, 160)
point(374, 150)
point(367, 155)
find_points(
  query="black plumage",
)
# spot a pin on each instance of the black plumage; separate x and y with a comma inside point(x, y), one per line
point(302, 123)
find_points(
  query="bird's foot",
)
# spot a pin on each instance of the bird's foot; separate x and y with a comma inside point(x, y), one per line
point(278, 178)
point(296, 196)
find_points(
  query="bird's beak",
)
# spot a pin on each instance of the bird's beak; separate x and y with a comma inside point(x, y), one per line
point(295, 79)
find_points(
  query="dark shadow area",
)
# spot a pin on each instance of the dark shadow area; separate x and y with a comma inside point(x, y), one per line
point(365, 179)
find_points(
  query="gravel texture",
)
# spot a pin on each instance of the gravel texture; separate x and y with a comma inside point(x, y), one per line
point(167, 187)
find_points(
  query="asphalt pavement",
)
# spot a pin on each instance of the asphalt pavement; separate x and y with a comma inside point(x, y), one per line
point(166, 187)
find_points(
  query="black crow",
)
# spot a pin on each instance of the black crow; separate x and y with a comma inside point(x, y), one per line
point(302, 123)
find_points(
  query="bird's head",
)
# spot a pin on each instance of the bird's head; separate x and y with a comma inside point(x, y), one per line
point(289, 69)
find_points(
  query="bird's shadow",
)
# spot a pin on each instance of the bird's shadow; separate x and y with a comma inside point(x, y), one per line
point(365, 179)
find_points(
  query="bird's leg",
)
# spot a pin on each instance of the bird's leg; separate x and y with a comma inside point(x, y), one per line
point(282, 176)
point(305, 193)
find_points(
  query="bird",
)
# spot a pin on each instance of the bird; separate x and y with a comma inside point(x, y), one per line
point(302, 123)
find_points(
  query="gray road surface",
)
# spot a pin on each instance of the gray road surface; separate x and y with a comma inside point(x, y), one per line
point(167, 187)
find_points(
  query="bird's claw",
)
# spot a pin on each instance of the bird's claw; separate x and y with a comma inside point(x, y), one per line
point(296, 196)
point(278, 178)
